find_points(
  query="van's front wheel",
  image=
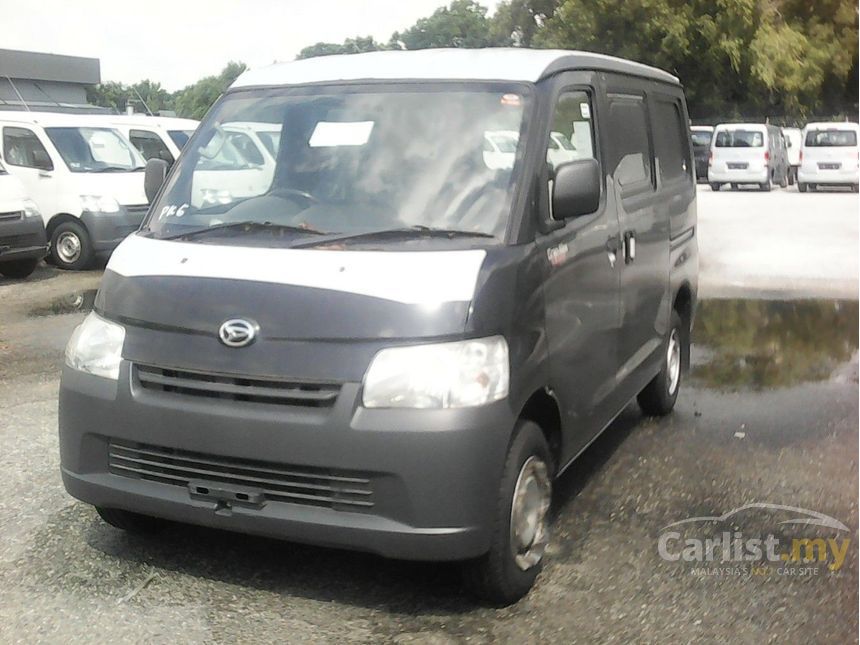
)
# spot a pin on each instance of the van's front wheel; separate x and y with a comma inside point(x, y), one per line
point(659, 396)
point(71, 247)
point(521, 524)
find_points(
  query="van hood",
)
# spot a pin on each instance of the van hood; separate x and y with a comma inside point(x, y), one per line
point(309, 305)
point(124, 187)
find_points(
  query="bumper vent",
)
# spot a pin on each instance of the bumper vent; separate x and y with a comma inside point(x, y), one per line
point(236, 388)
point(22, 240)
point(274, 482)
point(11, 216)
point(137, 210)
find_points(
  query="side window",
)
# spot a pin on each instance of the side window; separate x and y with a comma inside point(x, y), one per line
point(150, 145)
point(21, 147)
point(670, 141)
point(630, 154)
point(572, 135)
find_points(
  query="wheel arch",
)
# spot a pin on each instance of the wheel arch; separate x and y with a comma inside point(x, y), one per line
point(542, 409)
point(61, 218)
point(683, 304)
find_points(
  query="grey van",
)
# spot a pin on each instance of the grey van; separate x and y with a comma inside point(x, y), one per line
point(390, 338)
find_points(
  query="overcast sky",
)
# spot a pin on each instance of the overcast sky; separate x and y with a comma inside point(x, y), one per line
point(176, 42)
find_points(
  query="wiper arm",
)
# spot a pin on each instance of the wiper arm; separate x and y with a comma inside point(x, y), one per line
point(409, 231)
point(113, 169)
point(243, 227)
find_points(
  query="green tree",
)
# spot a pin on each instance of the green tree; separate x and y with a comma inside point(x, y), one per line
point(463, 23)
point(109, 94)
point(516, 22)
point(355, 45)
point(195, 100)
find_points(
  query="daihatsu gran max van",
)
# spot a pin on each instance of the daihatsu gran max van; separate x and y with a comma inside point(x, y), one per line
point(85, 177)
point(748, 153)
point(22, 233)
point(392, 346)
point(829, 156)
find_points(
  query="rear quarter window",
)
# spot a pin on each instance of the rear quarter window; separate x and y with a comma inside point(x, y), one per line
point(670, 141)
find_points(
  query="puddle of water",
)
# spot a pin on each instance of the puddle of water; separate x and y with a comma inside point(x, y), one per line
point(76, 302)
point(766, 343)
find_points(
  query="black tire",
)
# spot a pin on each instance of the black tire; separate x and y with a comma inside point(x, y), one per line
point(130, 522)
point(496, 577)
point(658, 398)
point(802, 187)
point(783, 183)
point(734, 186)
point(812, 187)
point(792, 176)
point(64, 260)
point(767, 186)
point(855, 188)
point(715, 187)
point(18, 269)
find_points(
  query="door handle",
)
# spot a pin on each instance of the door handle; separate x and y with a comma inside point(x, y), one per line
point(629, 246)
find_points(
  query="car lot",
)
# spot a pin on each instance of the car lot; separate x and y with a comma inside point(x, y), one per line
point(768, 415)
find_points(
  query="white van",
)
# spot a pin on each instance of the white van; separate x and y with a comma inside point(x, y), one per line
point(85, 177)
point(148, 136)
point(179, 129)
point(829, 156)
point(747, 153)
point(22, 233)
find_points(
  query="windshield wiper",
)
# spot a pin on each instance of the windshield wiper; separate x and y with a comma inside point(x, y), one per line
point(243, 227)
point(409, 231)
point(115, 169)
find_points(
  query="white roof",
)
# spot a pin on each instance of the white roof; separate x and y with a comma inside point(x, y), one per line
point(57, 119)
point(499, 63)
point(702, 128)
point(835, 125)
point(747, 126)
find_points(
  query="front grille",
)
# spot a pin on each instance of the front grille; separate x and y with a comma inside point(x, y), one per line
point(21, 240)
point(277, 482)
point(137, 209)
point(237, 388)
point(11, 216)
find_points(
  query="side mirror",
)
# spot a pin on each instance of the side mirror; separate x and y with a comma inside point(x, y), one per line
point(153, 177)
point(576, 189)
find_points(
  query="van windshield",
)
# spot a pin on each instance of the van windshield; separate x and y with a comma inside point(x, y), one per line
point(701, 138)
point(739, 139)
point(831, 139)
point(347, 161)
point(95, 150)
point(180, 137)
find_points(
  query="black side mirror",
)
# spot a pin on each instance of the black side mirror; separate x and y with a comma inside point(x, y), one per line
point(153, 177)
point(576, 189)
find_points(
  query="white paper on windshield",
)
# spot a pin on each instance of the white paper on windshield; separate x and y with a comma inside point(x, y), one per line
point(340, 133)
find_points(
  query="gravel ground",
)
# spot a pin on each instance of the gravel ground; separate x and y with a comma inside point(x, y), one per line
point(769, 414)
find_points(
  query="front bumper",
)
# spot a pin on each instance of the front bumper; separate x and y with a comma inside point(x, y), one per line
point(434, 473)
point(22, 239)
point(107, 230)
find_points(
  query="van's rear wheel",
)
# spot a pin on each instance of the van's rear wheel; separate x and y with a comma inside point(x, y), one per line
point(521, 525)
point(768, 185)
point(71, 247)
point(18, 268)
point(783, 183)
point(715, 187)
point(659, 396)
point(855, 188)
point(802, 187)
point(130, 522)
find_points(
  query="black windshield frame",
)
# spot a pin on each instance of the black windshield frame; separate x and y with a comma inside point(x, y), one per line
point(529, 93)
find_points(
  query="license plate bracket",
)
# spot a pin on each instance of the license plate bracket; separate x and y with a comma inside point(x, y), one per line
point(226, 494)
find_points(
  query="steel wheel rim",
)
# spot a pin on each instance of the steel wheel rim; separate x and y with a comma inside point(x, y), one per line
point(530, 513)
point(68, 247)
point(673, 361)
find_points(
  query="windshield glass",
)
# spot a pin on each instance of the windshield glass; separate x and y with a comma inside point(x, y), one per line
point(739, 139)
point(180, 137)
point(701, 138)
point(95, 150)
point(831, 139)
point(348, 160)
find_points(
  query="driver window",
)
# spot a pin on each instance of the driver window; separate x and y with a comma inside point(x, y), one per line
point(572, 136)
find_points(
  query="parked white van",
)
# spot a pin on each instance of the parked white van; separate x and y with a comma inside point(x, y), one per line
point(22, 233)
point(148, 136)
point(829, 156)
point(747, 153)
point(85, 177)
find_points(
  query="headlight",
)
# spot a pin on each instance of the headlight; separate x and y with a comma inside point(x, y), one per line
point(96, 347)
point(443, 375)
point(30, 209)
point(99, 204)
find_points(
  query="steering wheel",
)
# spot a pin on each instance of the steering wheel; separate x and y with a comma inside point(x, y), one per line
point(284, 192)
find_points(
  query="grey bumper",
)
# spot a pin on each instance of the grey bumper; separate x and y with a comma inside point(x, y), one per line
point(107, 230)
point(22, 239)
point(434, 474)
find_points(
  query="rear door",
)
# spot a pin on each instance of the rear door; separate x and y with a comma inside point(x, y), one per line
point(740, 149)
point(644, 229)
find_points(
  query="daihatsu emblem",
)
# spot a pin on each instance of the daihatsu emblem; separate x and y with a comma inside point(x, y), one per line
point(237, 332)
